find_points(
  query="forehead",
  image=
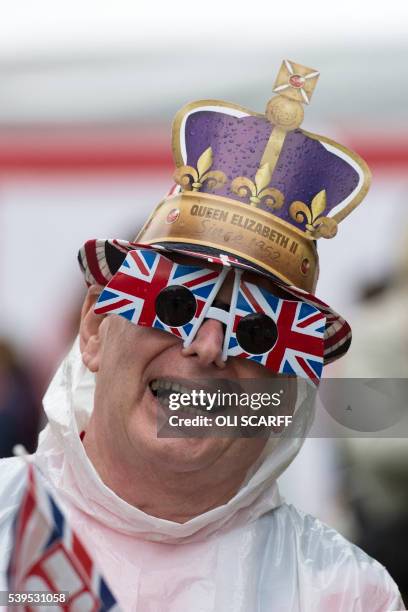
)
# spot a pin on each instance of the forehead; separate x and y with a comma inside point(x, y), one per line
point(250, 277)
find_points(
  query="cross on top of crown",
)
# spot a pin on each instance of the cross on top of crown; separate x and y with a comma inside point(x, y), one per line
point(296, 82)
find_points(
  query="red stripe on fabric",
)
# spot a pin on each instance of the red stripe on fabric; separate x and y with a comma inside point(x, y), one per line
point(28, 503)
point(81, 555)
point(39, 571)
point(250, 298)
point(200, 306)
point(176, 331)
point(26, 510)
point(124, 248)
point(312, 300)
point(104, 309)
point(311, 320)
point(303, 363)
point(159, 281)
point(93, 264)
point(331, 318)
point(147, 290)
point(236, 321)
point(335, 338)
point(289, 339)
point(85, 584)
point(308, 298)
point(135, 245)
point(284, 323)
point(202, 279)
point(336, 346)
point(140, 263)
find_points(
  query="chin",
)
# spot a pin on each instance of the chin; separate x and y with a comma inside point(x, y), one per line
point(181, 454)
point(178, 453)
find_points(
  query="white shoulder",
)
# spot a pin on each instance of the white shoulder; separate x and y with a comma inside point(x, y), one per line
point(346, 577)
point(12, 481)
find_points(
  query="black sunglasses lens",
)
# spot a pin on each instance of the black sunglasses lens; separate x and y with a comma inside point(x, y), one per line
point(256, 333)
point(175, 305)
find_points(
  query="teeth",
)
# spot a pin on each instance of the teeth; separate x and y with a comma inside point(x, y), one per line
point(159, 384)
point(163, 387)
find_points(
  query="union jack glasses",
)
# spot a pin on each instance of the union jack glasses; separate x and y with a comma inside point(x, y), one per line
point(285, 336)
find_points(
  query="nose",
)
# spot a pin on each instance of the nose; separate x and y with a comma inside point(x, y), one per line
point(207, 345)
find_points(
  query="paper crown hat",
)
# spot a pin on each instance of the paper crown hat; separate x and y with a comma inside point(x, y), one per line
point(255, 190)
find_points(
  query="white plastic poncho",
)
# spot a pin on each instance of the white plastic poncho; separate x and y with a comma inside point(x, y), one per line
point(254, 554)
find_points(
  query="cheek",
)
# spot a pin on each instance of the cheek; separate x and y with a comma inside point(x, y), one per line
point(118, 381)
point(128, 349)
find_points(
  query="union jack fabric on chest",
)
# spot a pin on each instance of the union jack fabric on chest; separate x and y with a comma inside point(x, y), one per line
point(299, 346)
point(47, 555)
point(133, 290)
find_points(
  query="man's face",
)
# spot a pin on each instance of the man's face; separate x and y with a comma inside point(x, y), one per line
point(130, 359)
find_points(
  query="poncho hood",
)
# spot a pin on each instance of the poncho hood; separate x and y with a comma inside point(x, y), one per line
point(61, 456)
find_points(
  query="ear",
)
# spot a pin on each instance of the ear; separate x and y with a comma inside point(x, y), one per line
point(90, 333)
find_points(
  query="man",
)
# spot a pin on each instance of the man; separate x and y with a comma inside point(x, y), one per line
point(218, 285)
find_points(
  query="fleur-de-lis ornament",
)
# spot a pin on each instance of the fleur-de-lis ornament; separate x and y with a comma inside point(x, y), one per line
point(192, 179)
point(258, 190)
point(316, 225)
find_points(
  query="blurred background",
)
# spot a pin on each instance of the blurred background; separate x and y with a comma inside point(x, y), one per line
point(87, 94)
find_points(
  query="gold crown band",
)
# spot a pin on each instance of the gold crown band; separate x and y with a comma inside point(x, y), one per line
point(245, 231)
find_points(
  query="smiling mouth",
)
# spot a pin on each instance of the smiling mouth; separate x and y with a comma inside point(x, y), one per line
point(162, 388)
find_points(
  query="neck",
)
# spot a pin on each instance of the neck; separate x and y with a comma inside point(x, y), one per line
point(155, 489)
